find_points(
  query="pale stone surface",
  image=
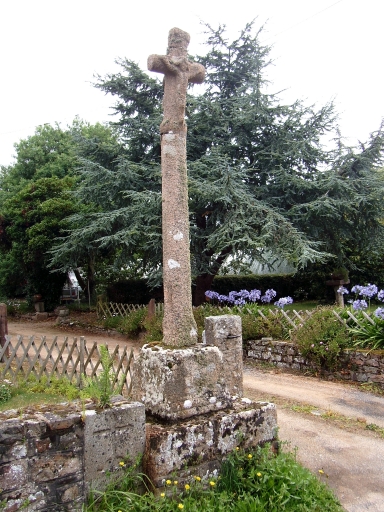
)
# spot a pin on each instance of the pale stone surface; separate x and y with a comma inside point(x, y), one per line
point(179, 326)
point(109, 437)
point(197, 446)
point(180, 383)
point(225, 332)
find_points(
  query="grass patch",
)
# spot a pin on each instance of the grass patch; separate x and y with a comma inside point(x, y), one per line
point(30, 400)
point(30, 392)
point(250, 481)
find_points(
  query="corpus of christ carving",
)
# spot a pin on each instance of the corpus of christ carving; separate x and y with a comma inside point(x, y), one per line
point(179, 326)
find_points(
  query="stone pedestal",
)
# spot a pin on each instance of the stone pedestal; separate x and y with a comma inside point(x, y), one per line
point(179, 383)
point(197, 446)
point(194, 396)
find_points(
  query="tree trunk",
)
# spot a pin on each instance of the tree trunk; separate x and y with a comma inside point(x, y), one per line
point(80, 280)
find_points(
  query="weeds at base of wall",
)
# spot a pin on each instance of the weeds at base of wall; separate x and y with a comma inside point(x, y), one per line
point(259, 479)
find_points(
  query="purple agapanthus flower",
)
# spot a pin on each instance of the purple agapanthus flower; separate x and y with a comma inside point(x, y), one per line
point(358, 305)
point(268, 296)
point(342, 290)
point(380, 295)
point(368, 291)
point(283, 302)
point(379, 313)
point(211, 294)
point(254, 295)
point(356, 289)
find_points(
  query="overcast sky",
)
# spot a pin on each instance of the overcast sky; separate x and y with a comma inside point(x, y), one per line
point(50, 51)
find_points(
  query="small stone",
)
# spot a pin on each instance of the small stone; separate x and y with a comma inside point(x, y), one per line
point(187, 404)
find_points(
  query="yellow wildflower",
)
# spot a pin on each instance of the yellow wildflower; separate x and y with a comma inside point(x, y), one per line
point(175, 482)
point(168, 482)
point(321, 472)
point(162, 494)
point(180, 506)
point(122, 464)
point(250, 456)
point(212, 483)
point(187, 487)
point(197, 478)
point(258, 474)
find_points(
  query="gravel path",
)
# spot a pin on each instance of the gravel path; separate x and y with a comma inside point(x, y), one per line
point(351, 457)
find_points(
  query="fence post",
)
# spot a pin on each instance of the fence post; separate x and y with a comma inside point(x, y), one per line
point(3, 325)
point(82, 354)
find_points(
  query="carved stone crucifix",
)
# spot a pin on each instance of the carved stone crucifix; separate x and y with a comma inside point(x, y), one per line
point(179, 326)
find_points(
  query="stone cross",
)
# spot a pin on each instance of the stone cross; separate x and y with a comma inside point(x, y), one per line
point(179, 326)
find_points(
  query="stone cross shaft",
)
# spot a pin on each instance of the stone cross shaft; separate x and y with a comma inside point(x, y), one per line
point(179, 326)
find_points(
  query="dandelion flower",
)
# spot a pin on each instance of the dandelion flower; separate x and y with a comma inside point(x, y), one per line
point(180, 506)
point(212, 483)
point(197, 478)
point(122, 464)
point(175, 482)
point(187, 487)
point(250, 456)
point(162, 494)
point(258, 474)
point(237, 448)
point(168, 482)
point(321, 472)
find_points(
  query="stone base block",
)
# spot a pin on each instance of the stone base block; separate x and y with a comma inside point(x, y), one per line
point(110, 437)
point(198, 445)
point(180, 383)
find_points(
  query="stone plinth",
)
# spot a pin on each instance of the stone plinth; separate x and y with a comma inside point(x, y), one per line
point(180, 383)
point(107, 436)
point(197, 446)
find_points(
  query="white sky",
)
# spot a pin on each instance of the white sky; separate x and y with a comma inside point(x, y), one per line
point(51, 49)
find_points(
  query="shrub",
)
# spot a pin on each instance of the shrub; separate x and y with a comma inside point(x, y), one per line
point(368, 334)
point(5, 392)
point(112, 322)
point(133, 323)
point(322, 338)
point(153, 328)
point(256, 326)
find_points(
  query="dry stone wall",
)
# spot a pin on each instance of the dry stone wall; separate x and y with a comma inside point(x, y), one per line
point(48, 457)
point(357, 366)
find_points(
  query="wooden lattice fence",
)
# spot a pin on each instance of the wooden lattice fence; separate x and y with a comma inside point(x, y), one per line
point(72, 359)
point(110, 309)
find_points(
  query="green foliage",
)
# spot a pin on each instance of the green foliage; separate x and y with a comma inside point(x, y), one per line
point(256, 326)
point(5, 392)
point(112, 322)
point(252, 481)
point(133, 323)
point(53, 386)
point(16, 307)
point(101, 388)
point(368, 334)
point(153, 328)
point(322, 338)
point(36, 196)
point(260, 181)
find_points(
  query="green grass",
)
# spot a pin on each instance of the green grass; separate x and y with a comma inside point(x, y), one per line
point(256, 481)
point(30, 392)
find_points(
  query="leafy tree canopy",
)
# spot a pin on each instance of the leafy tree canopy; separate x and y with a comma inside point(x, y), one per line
point(36, 196)
point(260, 178)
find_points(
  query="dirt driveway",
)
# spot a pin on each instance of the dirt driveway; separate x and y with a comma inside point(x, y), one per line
point(326, 421)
